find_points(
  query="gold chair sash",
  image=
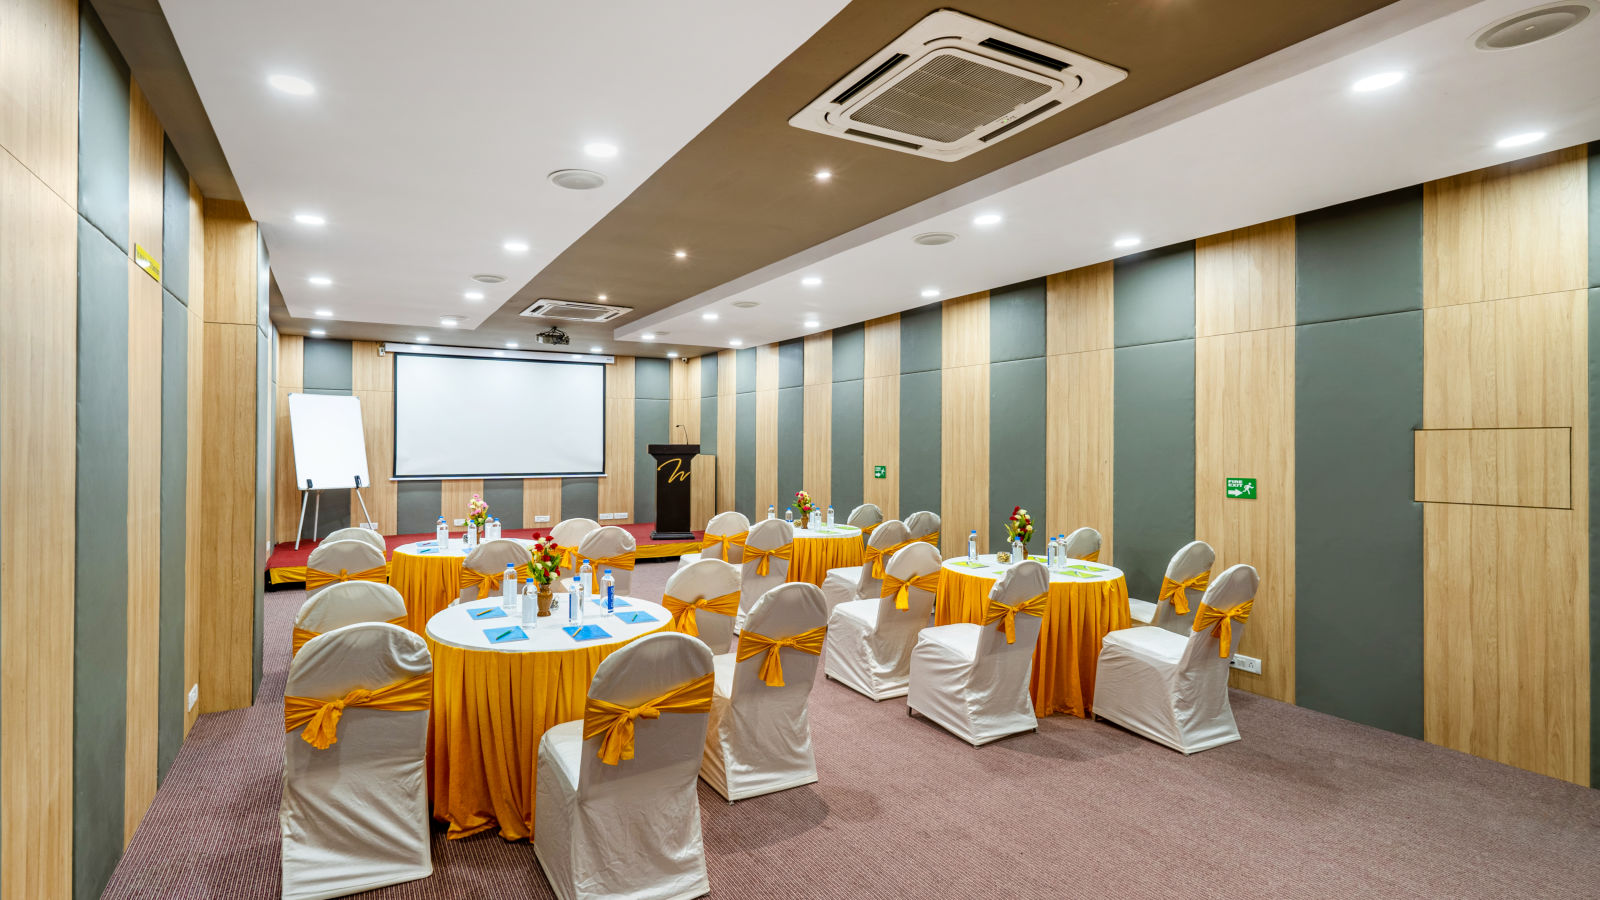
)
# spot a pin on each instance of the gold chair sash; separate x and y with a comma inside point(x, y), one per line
point(1178, 591)
point(321, 717)
point(723, 542)
point(751, 643)
point(1007, 615)
point(901, 589)
point(683, 610)
point(763, 558)
point(488, 582)
point(931, 537)
point(877, 558)
point(569, 557)
point(1223, 621)
point(866, 530)
point(316, 578)
point(616, 722)
point(599, 563)
point(1092, 557)
point(299, 636)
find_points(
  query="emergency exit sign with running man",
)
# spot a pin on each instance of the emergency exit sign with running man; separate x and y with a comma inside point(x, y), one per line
point(1242, 488)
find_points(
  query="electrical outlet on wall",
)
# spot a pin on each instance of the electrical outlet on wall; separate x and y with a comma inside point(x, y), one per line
point(194, 697)
point(461, 522)
point(538, 519)
point(1246, 664)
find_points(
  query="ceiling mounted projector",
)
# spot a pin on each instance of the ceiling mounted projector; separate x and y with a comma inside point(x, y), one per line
point(555, 337)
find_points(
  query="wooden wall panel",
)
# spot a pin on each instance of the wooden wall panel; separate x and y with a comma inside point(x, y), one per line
point(146, 174)
point(964, 455)
point(965, 334)
point(766, 425)
point(370, 371)
point(1505, 363)
point(727, 433)
point(144, 544)
point(616, 489)
point(881, 347)
point(377, 425)
point(1244, 279)
point(702, 490)
point(541, 497)
point(818, 360)
point(197, 256)
point(453, 496)
point(1244, 426)
point(1078, 311)
point(1078, 445)
point(230, 264)
point(39, 68)
point(286, 493)
point(1495, 466)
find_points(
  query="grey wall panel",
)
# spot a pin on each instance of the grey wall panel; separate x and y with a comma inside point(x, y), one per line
point(651, 424)
point(708, 375)
point(1017, 447)
point(1153, 460)
point(652, 378)
point(174, 526)
point(328, 366)
point(921, 440)
point(1153, 297)
point(708, 426)
point(1594, 281)
point(100, 650)
point(922, 339)
point(849, 352)
point(504, 496)
point(580, 498)
point(1362, 258)
point(1358, 397)
point(1016, 322)
point(744, 473)
point(847, 464)
point(792, 363)
point(103, 114)
point(417, 505)
point(745, 376)
point(791, 442)
point(175, 225)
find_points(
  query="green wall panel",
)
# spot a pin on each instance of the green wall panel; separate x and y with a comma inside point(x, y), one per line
point(921, 440)
point(580, 498)
point(708, 404)
point(1153, 460)
point(744, 473)
point(745, 370)
point(504, 496)
point(328, 366)
point(1017, 447)
point(417, 505)
point(1153, 297)
point(652, 378)
point(921, 338)
point(1016, 323)
point(103, 121)
point(845, 487)
point(791, 441)
point(1362, 258)
point(849, 352)
point(174, 526)
point(175, 225)
point(792, 363)
point(651, 424)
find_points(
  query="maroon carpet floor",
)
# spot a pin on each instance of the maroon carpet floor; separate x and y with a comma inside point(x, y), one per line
point(1306, 806)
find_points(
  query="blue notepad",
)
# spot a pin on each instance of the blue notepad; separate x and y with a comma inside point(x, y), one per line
point(635, 618)
point(505, 635)
point(585, 632)
point(488, 612)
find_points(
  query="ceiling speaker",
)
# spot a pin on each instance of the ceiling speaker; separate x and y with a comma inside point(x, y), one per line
point(1533, 25)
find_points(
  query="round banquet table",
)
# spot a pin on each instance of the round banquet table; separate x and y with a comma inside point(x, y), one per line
point(1084, 606)
point(429, 578)
point(493, 702)
point(816, 550)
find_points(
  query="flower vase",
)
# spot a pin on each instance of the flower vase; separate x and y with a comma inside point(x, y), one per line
point(546, 598)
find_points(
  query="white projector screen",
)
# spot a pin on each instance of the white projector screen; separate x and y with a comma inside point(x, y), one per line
point(466, 417)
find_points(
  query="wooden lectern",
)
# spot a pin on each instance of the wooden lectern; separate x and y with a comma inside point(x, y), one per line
point(672, 490)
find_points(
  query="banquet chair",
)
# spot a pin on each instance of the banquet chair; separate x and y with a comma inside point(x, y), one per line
point(333, 562)
point(870, 640)
point(858, 582)
point(1174, 689)
point(866, 517)
point(924, 526)
point(568, 534)
point(723, 539)
point(359, 534)
point(616, 808)
point(354, 809)
point(973, 679)
point(610, 547)
point(769, 547)
point(759, 737)
point(344, 604)
point(485, 569)
point(703, 598)
point(1182, 589)
point(1083, 544)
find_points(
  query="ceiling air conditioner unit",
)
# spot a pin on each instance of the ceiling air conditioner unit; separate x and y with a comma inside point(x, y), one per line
point(953, 85)
point(572, 311)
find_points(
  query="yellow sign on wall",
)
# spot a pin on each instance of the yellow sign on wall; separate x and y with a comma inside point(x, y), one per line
point(147, 262)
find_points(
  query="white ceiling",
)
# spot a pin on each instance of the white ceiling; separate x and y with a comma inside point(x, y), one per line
point(433, 127)
point(1281, 136)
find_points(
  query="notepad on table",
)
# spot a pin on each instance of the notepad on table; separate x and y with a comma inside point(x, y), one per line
point(635, 618)
point(505, 635)
point(971, 565)
point(488, 612)
point(586, 632)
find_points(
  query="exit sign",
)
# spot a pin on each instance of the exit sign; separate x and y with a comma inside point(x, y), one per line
point(1241, 488)
point(880, 471)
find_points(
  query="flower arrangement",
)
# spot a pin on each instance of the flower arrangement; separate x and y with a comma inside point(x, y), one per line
point(544, 564)
point(1020, 526)
point(477, 511)
point(802, 504)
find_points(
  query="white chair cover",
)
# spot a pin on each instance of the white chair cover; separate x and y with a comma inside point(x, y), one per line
point(968, 679)
point(570, 533)
point(1195, 557)
point(491, 558)
point(1083, 543)
point(351, 556)
point(633, 829)
point(606, 541)
point(921, 524)
point(722, 523)
point(360, 534)
point(354, 817)
point(348, 603)
point(867, 515)
point(706, 579)
point(759, 739)
point(870, 640)
point(856, 582)
point(1174, 689)
point(767, 534)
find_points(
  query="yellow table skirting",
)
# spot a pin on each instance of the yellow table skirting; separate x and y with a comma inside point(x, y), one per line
point(287, 575)
point(489, 711)
point(1078, 616)
point(813, 557)
point(428, 584)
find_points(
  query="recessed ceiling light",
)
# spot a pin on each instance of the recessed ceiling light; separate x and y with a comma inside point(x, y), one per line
point(735, 342)
point(576, 179)
point(1520, 140)
point(681, 254)
point(473, 295)
point(489, 279)
point(1123, 243)
point(318, 332)
point(600, 150)
point(709, 316)
point(987, 219)
point(930, 292)
point(511, 344)
point(310, 219)
point(449, 321)
point(423, 339)
point(601, 298)
point(647, 336)
point(1378, 82)
point(499, 353)
point(320, 280)
point(812, 281)
point(824, 175)
point(323, 313)
point(672, 354)
point(291, 84)
point(515, 246)
point(813, 323)
point(594, 349)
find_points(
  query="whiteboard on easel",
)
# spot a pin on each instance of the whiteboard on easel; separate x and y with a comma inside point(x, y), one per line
point(330, 447)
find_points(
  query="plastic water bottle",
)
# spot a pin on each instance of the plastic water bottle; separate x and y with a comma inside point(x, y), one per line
point(530, 603)
point(972, 546)
point(586, 579)
point(508, 590)
point(772, 511)
point(609, 585)
point(1016, 551)
point(575, 602)
point(492, 530)
point(441, 534)
point(1050, 554)
point(1061, 548)
point(830, 517)
point(788, 516)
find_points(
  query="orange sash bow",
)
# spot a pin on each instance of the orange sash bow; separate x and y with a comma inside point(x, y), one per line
point(723, 542)
point(683, 618)
point(316, 578)
point(569, 557)
point(1092, 557)
point(299, 636)
point(876, 558)
point(763, 558)
point(321, 717)
point(1007, 615)
point(901, 589)
point(488, 582)
point(616, 722)
point(1178, 591)
point(597, 565)
point(1223, 620)
point(751, 643)
point(931, 537)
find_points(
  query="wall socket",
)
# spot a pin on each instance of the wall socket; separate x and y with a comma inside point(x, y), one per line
point(1246, 664)
point(538, 519)
point(461, 522)
point(194, 697)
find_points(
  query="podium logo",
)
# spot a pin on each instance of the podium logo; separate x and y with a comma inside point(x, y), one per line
point(677, 473)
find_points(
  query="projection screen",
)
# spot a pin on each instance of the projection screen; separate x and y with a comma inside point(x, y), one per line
point(466, 417)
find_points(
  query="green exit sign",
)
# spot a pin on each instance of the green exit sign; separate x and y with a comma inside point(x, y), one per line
point(880, 471)
point(1242, 488)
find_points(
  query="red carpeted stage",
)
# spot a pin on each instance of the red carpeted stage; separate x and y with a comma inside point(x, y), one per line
point(286, 563)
